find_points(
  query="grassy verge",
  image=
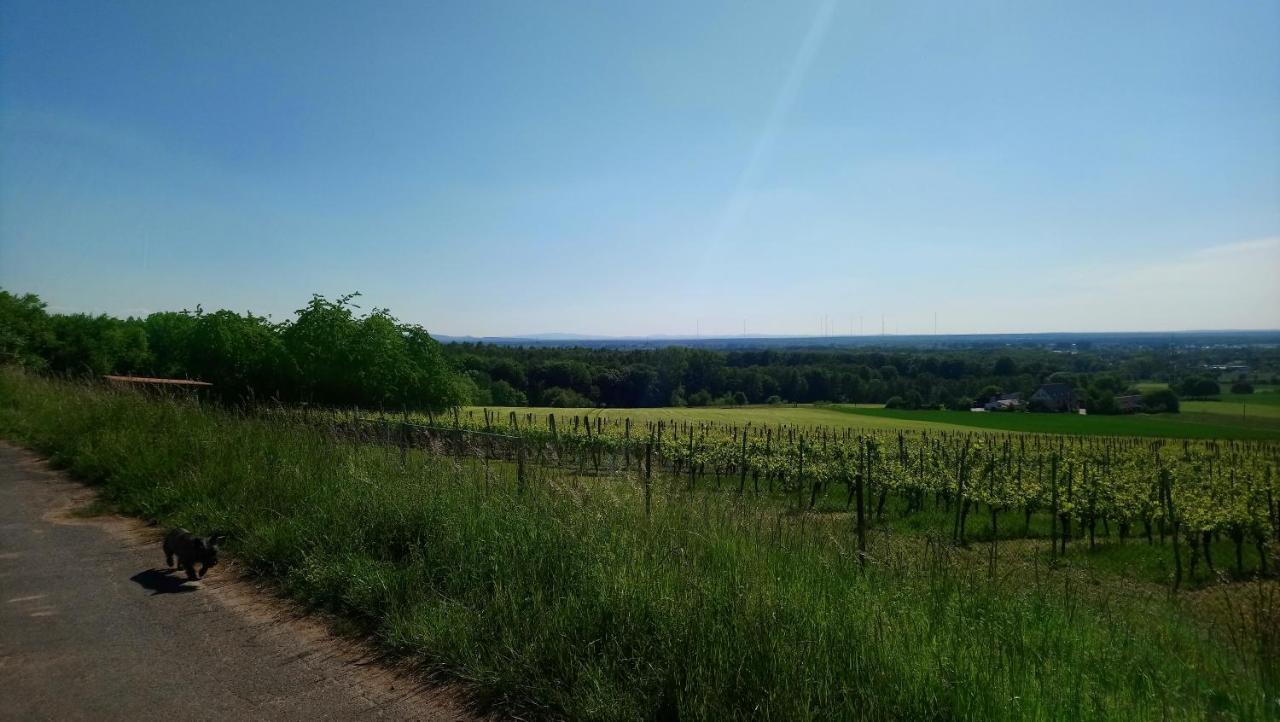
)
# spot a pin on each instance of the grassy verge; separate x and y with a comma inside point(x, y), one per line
point(566, 599)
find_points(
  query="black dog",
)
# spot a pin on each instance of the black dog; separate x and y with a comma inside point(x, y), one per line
point(191, 549)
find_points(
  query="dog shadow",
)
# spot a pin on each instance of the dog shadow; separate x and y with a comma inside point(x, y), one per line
point(163, 581)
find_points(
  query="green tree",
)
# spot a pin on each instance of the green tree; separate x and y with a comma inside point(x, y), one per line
point(96, 345)
point(1160, 400)
point(700, 398)
point(322, 343)
point(1005, 366)
point(504, 394)
point(242, 356)
point(563, 398)
point(26, 334)
point(169, 339)
point(1199, 387)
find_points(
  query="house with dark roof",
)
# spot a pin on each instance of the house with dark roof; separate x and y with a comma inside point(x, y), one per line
point(1004, 402)
point(1055, 397)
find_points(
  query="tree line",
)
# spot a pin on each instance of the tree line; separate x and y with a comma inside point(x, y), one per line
point(507, 375)
point(327, 353)
point(331, 353)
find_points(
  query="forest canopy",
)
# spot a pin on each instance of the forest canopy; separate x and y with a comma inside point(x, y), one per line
point(950, 377)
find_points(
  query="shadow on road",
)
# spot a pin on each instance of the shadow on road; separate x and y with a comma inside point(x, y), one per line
point(162, 581)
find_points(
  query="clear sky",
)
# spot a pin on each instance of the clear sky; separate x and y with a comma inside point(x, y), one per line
point(634, 168)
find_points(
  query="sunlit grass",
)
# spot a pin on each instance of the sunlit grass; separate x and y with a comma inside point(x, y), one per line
point(563, 597)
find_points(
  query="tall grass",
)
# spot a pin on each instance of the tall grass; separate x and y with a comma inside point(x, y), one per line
point(564, 598)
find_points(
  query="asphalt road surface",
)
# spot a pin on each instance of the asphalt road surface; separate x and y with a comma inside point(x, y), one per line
point(92, 627)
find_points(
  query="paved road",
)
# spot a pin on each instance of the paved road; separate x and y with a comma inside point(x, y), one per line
point(90, 628)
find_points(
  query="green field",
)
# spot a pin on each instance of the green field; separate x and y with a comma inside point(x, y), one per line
point(563, 597)
point(1173, 426)
point(755, 415)
point(1257, 406)
point(1191, 425)
point(1263, 403)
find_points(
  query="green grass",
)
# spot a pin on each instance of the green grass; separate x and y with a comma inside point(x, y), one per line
point(1256, 407)
point(564, 598)
point(1176, 426)
point(1264, 402)
point(1123, 561)
point(1261, 405)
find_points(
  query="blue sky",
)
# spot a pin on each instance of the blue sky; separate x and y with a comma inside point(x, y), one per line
point(649, 168)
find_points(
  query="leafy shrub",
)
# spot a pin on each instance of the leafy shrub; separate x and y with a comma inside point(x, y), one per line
point(701, 398)
point(1199, 387)
point(565, 398)
point(1161, 400)
point(504, 394)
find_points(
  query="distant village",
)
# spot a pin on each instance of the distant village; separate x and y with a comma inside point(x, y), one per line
point(1064, 398)
point(1055, 398)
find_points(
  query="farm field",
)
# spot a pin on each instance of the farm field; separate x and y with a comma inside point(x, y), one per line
point(788, 415)
point(1187, 425)
point(1191, 425)
point(1254, 407)
point(1263, 403)
point(578, 588)
point(1265, 400)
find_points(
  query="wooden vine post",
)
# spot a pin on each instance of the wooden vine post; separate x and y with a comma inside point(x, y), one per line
point(1171, 517)
point(626, 445)
point(520, 474)
point(692, 466)
point(800, 477)
point(957, 532)
point(859, 478)
point(1053, 512)
point(648, 476)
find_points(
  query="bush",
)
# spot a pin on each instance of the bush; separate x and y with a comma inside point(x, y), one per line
point(895, 402)
point(677, 398)
point(562, 398)
point(1162, 400)
point(504, 394)
point(1101, 402)
point(700, 398)
point(774, 400)
point(1199, 387)
point(1242, 387)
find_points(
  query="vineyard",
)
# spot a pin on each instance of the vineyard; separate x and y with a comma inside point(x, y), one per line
point(594, 569)
point(1184, 493)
